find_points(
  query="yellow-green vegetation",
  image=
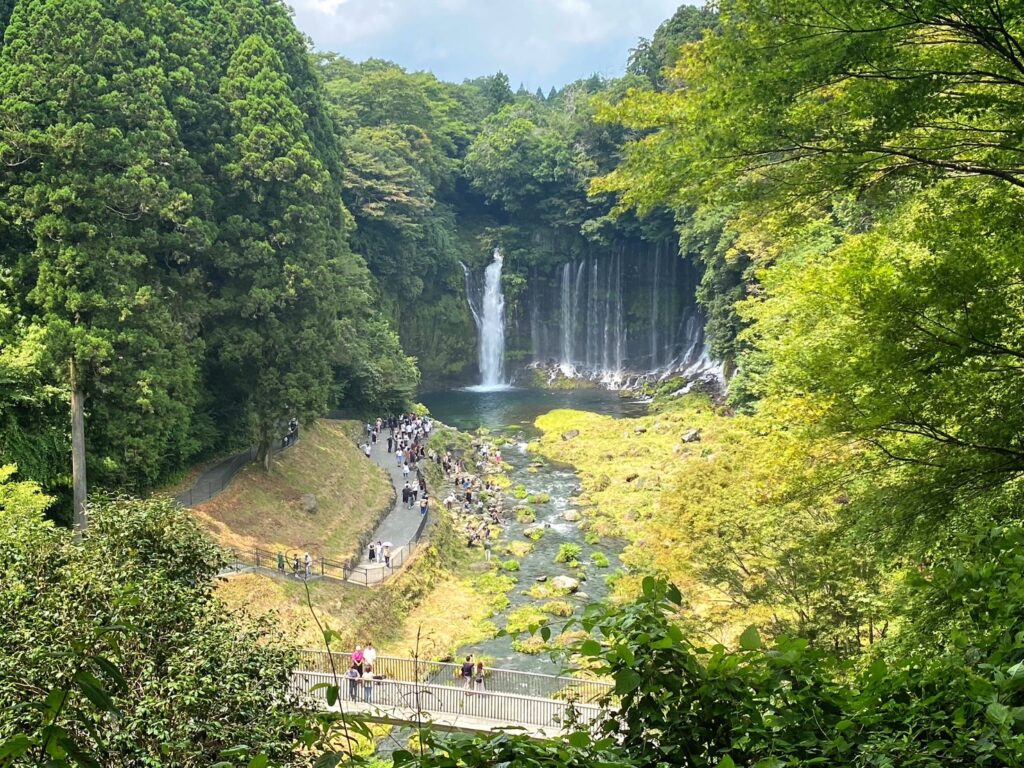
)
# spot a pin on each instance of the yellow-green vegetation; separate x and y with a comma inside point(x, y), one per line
point(524, 617)
point(445, 594)
point(264, 510)
point(520, 492)
point(510, 565)
point(534, 533)
point(525, 515)
point(517, 549)
point(539, 498)
point(558, 608)
point(568, 552)
point(705, 499)
point(600, 559)
point(530, 645)
point(545, 590)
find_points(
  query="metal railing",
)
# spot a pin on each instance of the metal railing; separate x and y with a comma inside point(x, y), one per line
point(216, 479)
point(413, 699)
point(322, 567)
point(448, 675)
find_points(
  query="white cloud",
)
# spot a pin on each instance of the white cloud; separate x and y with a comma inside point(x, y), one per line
point(538, 42)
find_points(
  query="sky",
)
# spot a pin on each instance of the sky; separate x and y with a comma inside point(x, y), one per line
point(535, 42)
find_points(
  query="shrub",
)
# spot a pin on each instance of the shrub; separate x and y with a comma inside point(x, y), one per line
point(600, 559)
point(510, 565)
point(558, 608)
point(526, 515)
point(523, 618)
point(519, 492)
point(530, 645)
point(539, 498)
point(568, 552)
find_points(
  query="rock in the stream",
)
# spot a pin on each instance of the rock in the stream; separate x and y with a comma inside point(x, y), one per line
point(571, 516)
point(541, 579)
point(567, 583)
point(640, 430)
point(309, 504)
point(692, 436)
point(571, 434)
point(582, 596)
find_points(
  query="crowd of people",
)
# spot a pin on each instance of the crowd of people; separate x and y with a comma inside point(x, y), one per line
point(363, 676)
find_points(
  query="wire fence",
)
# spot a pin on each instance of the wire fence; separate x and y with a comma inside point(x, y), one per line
point(449, 675)
point(216, 479)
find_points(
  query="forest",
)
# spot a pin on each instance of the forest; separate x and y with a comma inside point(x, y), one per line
point(207, 228)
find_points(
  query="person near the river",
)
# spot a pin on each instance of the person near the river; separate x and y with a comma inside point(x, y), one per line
point(368, 684)
point(487, 549)
point(467, 674)
point(353, 676)
point(367, 449)
point(478, 679)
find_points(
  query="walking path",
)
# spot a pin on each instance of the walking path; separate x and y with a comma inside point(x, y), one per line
point(401, 524)
point(216, 478)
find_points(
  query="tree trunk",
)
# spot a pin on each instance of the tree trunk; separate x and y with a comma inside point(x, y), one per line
point(265, 452)
point(78, 450)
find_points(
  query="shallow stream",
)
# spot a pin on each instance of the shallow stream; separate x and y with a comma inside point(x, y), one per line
point(511, 413)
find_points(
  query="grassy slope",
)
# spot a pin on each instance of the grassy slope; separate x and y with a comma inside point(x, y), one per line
point(265, 510)
point(444, 593)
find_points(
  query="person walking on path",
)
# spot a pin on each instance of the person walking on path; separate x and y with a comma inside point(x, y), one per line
point(280, 562)
point(487, 549)
point(373, 552)
point(467, 675)
point(398, 456)
point(309, 565)
point(423, 505)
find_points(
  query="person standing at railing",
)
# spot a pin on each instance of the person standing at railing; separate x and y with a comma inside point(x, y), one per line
point(295, 567)
point(357, 659)
point(368, 684)
point(280, 562)
point(353, 676)
point(370, 655)
point(467, 675)
point(309, 565)
point(478, 680)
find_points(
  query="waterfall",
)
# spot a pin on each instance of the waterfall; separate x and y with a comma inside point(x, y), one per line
point(568, 320)
point(492, 326)
point(628, 312)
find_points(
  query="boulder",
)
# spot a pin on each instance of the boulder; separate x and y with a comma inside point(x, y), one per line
point(640, 430)
point(571, 516)
point(571, 434)
point(565, 583)
point(582, 596)
point(692, 436)
point(541, 579)
point(309, 504)
point(632, 476)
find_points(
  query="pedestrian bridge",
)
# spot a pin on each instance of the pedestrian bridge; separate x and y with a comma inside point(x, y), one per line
point(413, 692)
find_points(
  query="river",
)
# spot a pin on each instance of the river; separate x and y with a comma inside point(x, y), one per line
point(511, 414)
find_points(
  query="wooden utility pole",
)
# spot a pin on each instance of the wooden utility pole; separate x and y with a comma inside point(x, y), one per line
point(78, 450)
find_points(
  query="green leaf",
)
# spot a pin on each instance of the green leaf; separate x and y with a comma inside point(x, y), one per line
point(590, 647)
point(94, 691)
point(260, 761)
point(627, 680)
point(750, 640)
point(579, 739)
point(726, 762)
point(545, 633)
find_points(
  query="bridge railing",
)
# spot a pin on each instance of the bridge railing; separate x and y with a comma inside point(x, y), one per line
point(423, 698)
point(448, 675)
point(332, 569)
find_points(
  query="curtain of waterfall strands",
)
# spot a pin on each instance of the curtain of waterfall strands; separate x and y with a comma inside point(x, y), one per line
point(628, 311)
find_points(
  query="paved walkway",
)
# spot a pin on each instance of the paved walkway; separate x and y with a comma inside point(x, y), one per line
point(401, 523)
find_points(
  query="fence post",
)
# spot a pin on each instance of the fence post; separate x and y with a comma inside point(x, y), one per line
point(257, 553)
point(321, 566)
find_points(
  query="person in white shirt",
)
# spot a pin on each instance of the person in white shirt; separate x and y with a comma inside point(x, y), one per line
point(370, 655)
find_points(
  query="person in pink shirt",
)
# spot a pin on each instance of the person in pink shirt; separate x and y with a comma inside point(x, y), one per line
point(357, 658)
